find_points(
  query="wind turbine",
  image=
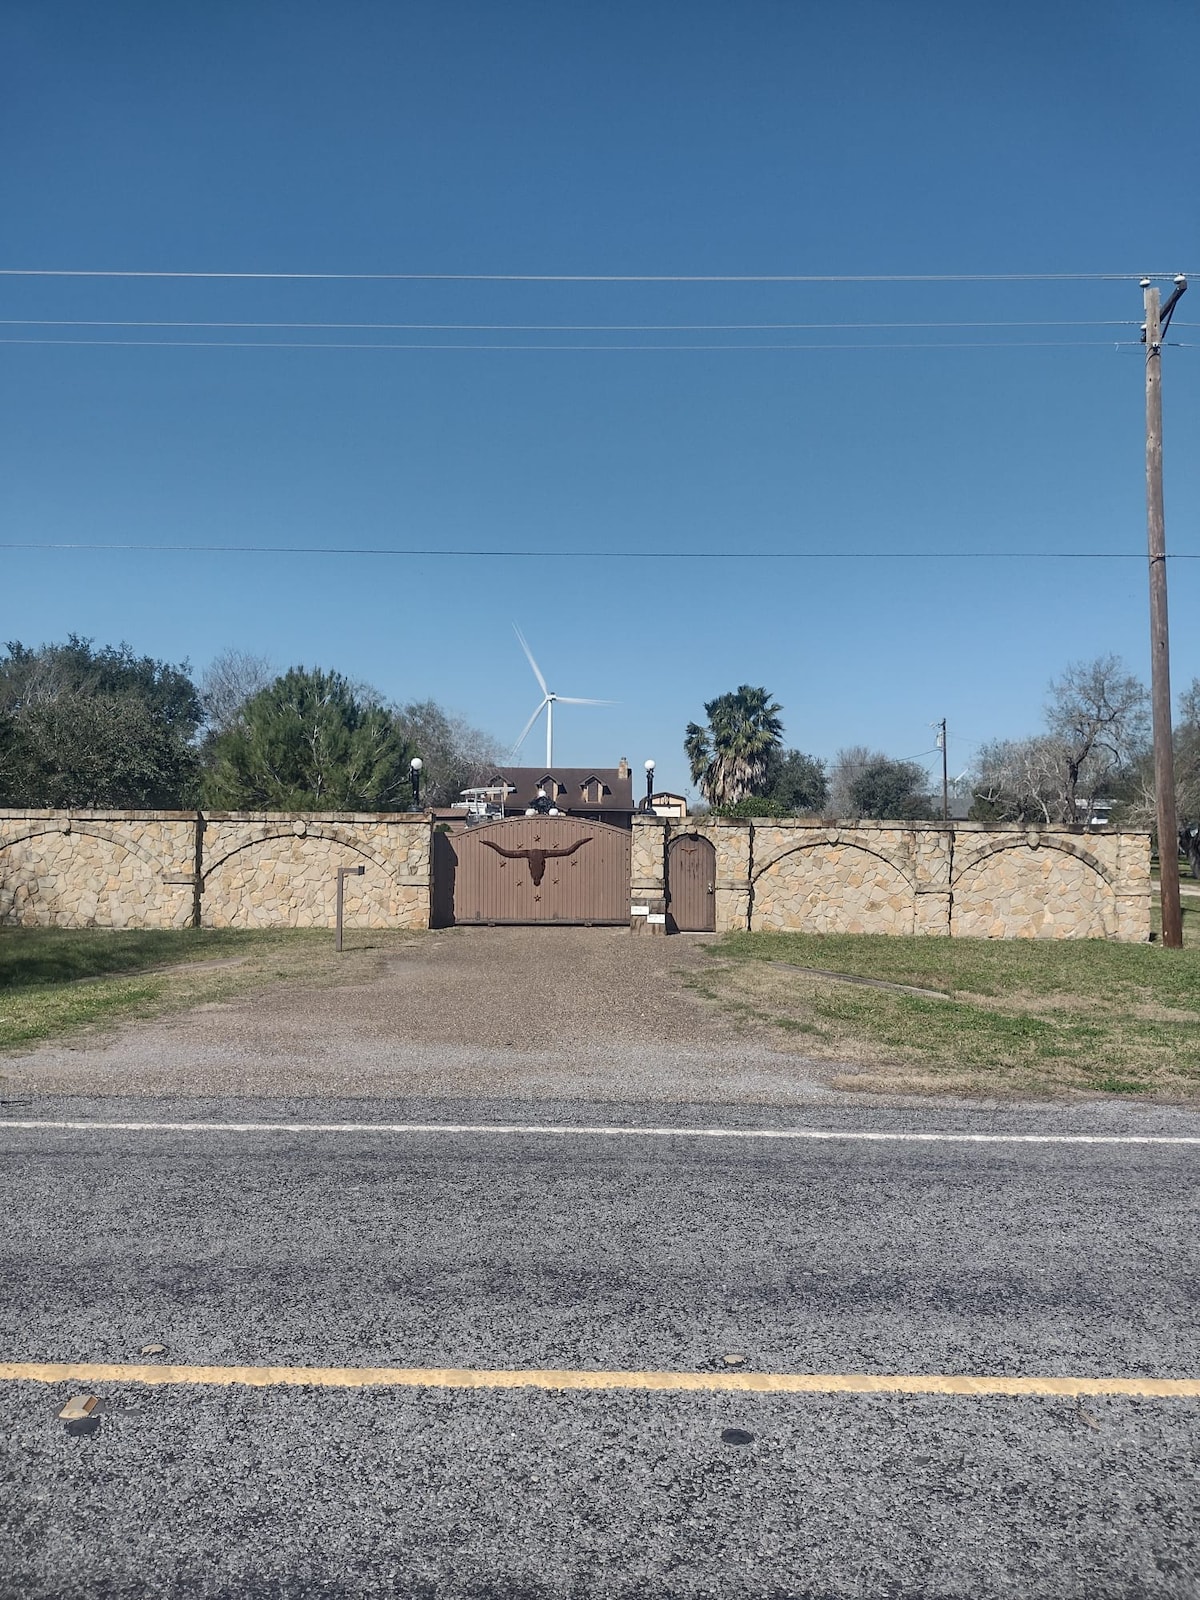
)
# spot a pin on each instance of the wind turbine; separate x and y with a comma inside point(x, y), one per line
point(549, 701)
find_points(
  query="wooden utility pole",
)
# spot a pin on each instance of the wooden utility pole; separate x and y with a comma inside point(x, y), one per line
point(941, 741)
point(1160, 650)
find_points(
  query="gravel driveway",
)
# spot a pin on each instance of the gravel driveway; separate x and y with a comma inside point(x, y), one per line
point(536, 1013)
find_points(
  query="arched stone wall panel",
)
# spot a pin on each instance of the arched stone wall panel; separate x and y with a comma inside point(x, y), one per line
point(81, 876)
point(285, 837)
point(1025, 893)
point(893, 846)
point(972, 855)
point(262, 876)
point(832, 888)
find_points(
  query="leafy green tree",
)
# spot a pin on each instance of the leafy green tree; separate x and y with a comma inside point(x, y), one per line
point(754, 805)
point(796, 783)
point(730, 757)
point(33, 677)
point(83, 728)
point(310, 742)
point(892, 791)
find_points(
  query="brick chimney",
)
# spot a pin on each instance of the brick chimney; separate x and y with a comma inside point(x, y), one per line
point(623, 769)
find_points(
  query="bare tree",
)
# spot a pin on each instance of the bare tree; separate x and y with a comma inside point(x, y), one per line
point(231, 679)
point(31, 677)
point(454, 754)
point(1021, 780)
point(1099, 714)
point(1096, 730)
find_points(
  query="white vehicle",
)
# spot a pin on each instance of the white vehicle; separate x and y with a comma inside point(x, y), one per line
point(485, 804)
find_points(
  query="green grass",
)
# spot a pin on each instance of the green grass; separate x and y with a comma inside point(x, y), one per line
point(1135, 973)
point(56, 981)
point(1019, 1015)
point(33, 956)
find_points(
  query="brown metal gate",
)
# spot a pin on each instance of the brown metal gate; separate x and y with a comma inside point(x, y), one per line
point(691, 885)
point(532, 869)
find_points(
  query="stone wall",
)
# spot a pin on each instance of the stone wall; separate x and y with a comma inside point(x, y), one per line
point(130, 869)
point(975, 880)
point(141, 869)
point(102, 869)
point(264, 871)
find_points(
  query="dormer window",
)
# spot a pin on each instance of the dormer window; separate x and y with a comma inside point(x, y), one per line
point(593, 791)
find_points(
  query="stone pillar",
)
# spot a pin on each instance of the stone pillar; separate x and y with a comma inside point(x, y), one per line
point(734, 863)
point(932, 859)
point(1132, 875)
point(648, 874)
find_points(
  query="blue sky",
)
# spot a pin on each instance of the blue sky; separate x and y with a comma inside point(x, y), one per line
point(677, 139)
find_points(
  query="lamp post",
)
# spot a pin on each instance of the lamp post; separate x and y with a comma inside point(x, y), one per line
point(414, 767)
point(649, 782)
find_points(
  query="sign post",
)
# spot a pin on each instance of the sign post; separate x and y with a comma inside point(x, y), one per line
point(342, 874)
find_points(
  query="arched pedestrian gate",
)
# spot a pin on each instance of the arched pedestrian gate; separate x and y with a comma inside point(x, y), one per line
point(691, 884)
point(532, 869)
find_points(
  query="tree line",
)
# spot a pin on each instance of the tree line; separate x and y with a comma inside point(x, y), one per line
point(1092, 753)
point(86, 727)
point(742, 768)
point(83, 727)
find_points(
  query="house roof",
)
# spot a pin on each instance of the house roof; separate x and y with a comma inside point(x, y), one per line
point(616, 793)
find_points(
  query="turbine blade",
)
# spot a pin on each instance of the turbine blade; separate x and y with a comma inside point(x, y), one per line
point(574, 700)
point(537, 671)
point(528, 725)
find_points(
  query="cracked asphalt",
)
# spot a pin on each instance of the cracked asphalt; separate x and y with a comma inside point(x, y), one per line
point(578, 1250)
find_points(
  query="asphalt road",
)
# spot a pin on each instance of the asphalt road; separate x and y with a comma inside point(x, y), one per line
point(624, 1251)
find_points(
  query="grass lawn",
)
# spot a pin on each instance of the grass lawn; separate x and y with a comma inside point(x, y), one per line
point(1188, 886)
point(1019, 1016)
point(54, 981)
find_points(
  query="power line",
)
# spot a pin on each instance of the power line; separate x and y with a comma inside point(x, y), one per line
point(596, 277)
point(553, 327)
point(599, 555)
point(365, 344)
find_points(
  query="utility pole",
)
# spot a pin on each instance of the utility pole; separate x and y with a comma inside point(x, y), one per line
point(941, 744)
point(1157, 322)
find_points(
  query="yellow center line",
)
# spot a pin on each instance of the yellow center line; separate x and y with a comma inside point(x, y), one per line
point(99, 1372)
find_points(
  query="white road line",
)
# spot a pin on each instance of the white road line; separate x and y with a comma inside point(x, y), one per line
point(542, 1130)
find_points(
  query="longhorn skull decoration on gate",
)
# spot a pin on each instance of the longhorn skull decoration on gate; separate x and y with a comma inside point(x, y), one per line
point(536, 858)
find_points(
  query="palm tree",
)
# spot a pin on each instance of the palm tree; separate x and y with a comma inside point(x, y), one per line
point(729, 758)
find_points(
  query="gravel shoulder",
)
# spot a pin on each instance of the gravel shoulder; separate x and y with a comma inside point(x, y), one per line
point(530, 1013)
point(512, 1015)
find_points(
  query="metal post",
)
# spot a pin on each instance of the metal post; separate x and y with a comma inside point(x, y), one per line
point(1160, 650)
point(945, 772)
point(649, 783)
point(342, 874)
